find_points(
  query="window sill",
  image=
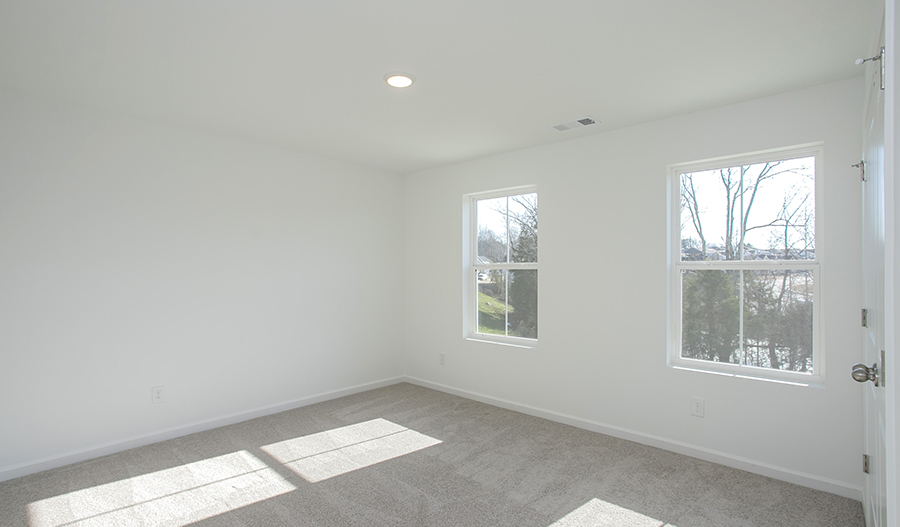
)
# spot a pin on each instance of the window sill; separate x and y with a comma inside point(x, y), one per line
point(780, 377)
point(504, 341)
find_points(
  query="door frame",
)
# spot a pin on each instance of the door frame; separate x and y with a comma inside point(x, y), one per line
point(892, 260)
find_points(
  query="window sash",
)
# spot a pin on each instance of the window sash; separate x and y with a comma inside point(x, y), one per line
point(702, 364)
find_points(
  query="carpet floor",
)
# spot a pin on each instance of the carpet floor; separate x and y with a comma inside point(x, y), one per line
point(407, 455)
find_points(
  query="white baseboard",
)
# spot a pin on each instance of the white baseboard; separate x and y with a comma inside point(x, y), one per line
point(721, 458)
point(764, 469)
point(31, 467)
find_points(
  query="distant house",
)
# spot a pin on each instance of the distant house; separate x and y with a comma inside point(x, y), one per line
point(691, 254)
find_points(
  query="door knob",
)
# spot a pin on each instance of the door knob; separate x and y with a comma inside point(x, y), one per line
point(863, 373)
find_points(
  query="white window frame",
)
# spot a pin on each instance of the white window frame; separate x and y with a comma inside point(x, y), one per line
point(676, 266)
point(471, 268)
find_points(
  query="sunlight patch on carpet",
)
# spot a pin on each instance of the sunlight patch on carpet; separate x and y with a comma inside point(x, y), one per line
point(173, 497)
point(317, 457)
point(599, 513)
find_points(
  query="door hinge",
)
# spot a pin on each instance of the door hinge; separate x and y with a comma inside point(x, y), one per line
point(864, 317)
point(866, 463)
point(862, 170)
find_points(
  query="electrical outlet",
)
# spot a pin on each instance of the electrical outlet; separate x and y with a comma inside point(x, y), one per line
point(442, 359)
point(157, 395)
point(697, 406)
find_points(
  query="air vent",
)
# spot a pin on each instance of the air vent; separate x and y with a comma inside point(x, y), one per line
point(577, 123)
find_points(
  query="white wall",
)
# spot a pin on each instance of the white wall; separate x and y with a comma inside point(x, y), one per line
point(242, 276)
point(601, 358)
point(131, 254)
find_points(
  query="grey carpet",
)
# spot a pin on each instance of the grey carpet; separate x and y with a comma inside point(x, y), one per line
point(441, 460)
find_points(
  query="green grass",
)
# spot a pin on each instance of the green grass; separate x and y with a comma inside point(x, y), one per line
point(491, 315)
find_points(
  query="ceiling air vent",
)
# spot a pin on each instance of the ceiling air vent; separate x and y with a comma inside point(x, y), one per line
point(577, 123)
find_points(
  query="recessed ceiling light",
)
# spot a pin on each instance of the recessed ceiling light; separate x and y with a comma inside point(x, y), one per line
point(399, 80)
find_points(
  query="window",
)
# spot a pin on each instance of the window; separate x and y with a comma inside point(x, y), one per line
point(744, 273)
point(502, 271)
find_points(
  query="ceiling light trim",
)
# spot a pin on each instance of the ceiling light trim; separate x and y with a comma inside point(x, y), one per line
point(399, 79)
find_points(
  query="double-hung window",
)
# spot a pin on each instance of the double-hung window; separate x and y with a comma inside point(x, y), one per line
point(744, 268)
point(502, 274)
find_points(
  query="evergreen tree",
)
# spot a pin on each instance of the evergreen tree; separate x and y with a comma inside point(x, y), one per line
point(523, 282)
point(710, 316)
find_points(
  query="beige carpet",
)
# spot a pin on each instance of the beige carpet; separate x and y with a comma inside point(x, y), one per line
point(406, 455)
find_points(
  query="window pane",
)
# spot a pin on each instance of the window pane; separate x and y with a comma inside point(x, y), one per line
point(710, 214)
point(492, 302)
point(491, 216)
point(523, 303)
point(710, 315)
point(523, 225)
point(779, 202)
point(778, 308)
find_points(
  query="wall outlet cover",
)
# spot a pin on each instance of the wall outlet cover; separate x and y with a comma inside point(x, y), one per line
point(697, 407)
point(157, 394)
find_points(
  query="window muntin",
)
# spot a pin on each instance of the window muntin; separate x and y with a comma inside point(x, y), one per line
point(745, 272)
point(503, 273)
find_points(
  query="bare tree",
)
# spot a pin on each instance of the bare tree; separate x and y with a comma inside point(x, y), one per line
point(689, 201)
point(491, 246)
point(741, 188)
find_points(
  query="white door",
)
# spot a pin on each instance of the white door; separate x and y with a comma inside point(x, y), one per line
point(873, 300)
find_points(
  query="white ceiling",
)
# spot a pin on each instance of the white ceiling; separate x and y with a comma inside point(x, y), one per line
point(492, 75)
